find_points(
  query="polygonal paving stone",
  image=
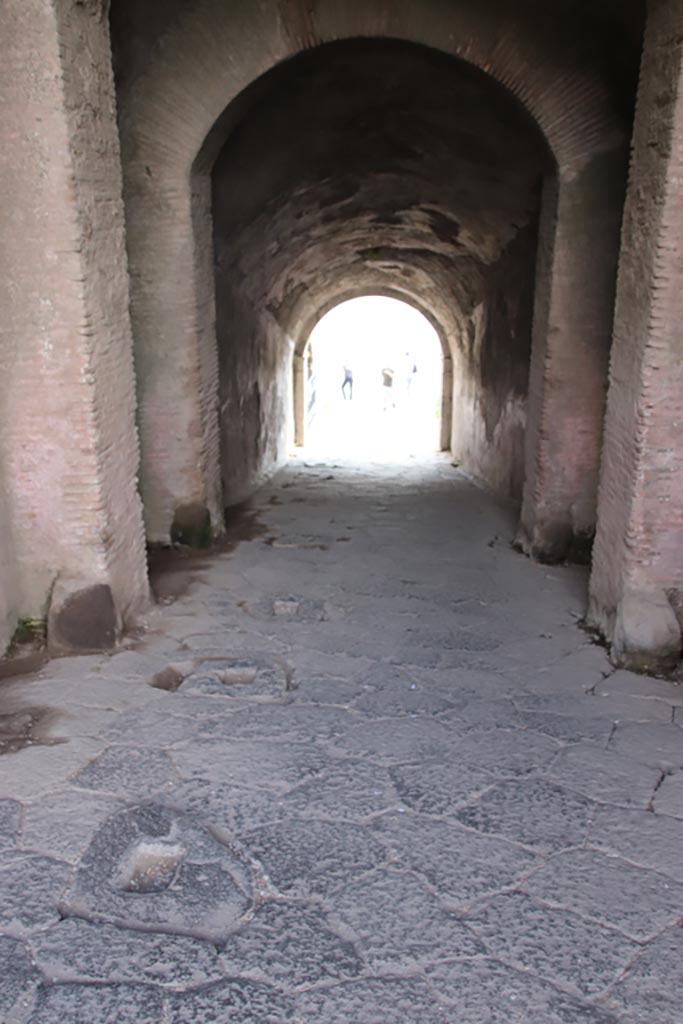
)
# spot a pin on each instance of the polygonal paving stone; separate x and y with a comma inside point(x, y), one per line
point(298, 723)
point(160, 725)
point(98, 1004)
point(289, 945)
point(304, 857)
point(399, 923)
point(669, 796)
point(348, 790)
point(325, 690)
point(610, 890)
point(18, 976)
point(650, 992)
point(660, 746)
point(64, 823)
point(402, 698)
point(551, 943)
point(603, 775)
point(31, 888)
point(231, 1002)
point(505, 752)
point(400, 740)
point(151, 868)
point(10, 820)
point(532, 812)
point(374, 1001)
point(460, 864)
point(80, 951)
point(652, 840)
point(256, 764)
point(568, 728)
point(439, 788)
point(486, 992)
point(247, 676)
point(128, 772)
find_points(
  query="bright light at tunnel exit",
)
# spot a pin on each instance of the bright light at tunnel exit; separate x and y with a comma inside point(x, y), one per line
point(393, 407)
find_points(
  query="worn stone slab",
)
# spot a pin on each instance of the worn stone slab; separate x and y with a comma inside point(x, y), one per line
point(531, 811)
point(18, 977)
point(129, 772)
point(257, 764)
point(650, 991)
point(97, 1004)
point(399, 923)
point(10, 822)
point(151, 868)
point(461, 865)
point(81, 951)
point(551, 943)
point(603, 775)
point(400, 740)
point(346, 791)
point(31, 888)
point(64, 823)
point(290, 945)
point(505, 752)
point(669, 797)
point(639, 902)
point(231, 1002)
point(486, 992)
point(659, 746)
point(650, 840)
point(301, 857)
point(439, 788)
point(373, 1001)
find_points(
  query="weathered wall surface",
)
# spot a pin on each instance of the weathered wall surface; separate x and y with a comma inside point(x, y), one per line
point(491, 372)
point(571, 75)
point(69, 447)
point(637, 577)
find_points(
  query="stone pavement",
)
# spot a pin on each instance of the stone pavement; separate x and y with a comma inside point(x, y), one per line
point(380, 775)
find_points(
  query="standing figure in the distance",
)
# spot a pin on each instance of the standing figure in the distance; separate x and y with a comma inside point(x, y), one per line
point(348, 379)
point(387, 386)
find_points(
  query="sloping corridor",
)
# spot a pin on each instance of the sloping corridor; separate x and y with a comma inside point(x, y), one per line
point(381, 775)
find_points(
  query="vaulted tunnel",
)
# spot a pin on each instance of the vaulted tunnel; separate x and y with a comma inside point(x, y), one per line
point(386, 167)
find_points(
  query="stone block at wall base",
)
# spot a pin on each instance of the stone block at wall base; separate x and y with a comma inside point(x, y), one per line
point(192, 526)
point(555, 541)
point(82, 618)
point(647, 635)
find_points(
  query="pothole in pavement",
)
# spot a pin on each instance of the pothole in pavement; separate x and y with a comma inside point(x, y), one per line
point(258, 676)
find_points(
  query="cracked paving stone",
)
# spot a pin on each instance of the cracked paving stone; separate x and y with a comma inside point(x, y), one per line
point(79, 951)
point(568, 728)
point(487, 992)
point(533, 812)
point(347, 790)
point(295, 722)
point(660, 746)
point(669, 797)
point(505, 752)
point(648, 839)
point(18, 976)
point(31, 888)
point(10, 821)
point(439, 788)
point(231, 1002)
point(638, 902)
point(554, 944)
point(128, 772)
point(302, 857)
point(97, 1004)
point(402, 698)
point(603, 775)
point(650, 991)
point(64, 823)
point(257, 764)
point(150, 868)
point(460, 864)
point(289, 945)
point(397, 740)
point(373, 1001)
point(158, 726)
point(399, 923)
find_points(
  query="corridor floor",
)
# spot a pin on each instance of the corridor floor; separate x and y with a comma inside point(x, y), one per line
point(381, 776)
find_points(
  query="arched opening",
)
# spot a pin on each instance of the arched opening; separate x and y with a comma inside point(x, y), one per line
point(376, 167)
point(371, 382)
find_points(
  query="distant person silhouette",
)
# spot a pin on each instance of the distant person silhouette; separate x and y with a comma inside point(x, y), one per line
point(387, 387)
point(348, 379)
